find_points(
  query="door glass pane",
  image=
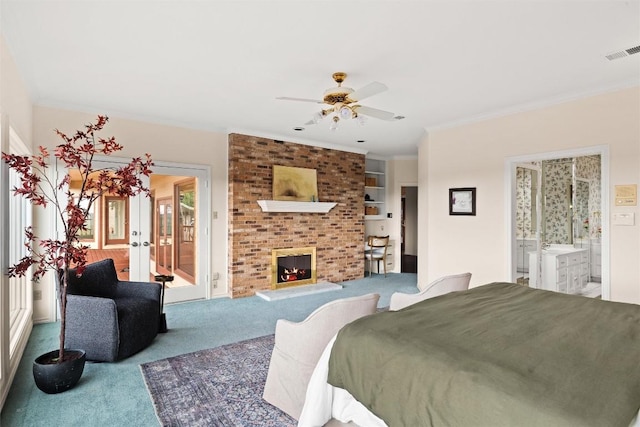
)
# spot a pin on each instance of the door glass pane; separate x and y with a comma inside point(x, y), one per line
point(152, 221)
point(117, 214)
point(186, 194)
point(174, 228)
point(88, 233)
point(164, 239)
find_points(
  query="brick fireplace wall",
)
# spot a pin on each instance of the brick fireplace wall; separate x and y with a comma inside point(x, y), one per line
point(337, 235)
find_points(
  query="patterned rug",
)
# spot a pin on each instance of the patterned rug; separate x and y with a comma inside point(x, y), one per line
point(221, 386)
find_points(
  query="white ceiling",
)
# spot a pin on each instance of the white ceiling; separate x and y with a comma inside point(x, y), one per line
point(219, 65)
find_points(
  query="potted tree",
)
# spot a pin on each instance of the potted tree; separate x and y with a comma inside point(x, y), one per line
point(76, 153)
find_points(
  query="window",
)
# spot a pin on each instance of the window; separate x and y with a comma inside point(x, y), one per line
point(20, 288)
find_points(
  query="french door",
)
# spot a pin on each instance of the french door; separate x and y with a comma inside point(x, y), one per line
point(165, 233)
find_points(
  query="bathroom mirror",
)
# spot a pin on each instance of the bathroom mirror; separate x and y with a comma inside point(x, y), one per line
point(526, 216)
point(581, 210)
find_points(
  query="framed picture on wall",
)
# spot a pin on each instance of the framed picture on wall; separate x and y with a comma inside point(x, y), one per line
point(297, 184)
point(462, 201)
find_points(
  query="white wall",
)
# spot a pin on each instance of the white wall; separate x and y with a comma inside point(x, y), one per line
point(15, 101)
point(15, 112)
point(165, 144)
point(452, 244)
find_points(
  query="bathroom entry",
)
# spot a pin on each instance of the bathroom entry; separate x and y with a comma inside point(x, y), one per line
point(558, 207)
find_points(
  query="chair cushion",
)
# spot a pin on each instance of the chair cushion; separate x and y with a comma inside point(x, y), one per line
point(99, 279)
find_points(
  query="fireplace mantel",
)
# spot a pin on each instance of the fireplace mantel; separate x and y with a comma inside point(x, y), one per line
point(290, 206)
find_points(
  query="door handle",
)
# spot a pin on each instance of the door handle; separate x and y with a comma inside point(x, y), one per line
point(134, 244)
point(145, 243)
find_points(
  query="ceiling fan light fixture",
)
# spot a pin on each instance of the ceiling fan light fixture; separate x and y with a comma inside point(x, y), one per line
point(317, 117)
point(334, 123)
point(342, 103)
point(345, 113)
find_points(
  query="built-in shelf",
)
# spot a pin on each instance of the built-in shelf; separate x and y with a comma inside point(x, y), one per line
point(374, 186)
point(290, 206)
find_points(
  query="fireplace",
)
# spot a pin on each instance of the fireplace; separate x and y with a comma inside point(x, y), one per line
point(293, 267)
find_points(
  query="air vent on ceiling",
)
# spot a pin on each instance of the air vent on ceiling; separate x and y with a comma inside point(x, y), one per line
point(633, 50)
point(623, 53)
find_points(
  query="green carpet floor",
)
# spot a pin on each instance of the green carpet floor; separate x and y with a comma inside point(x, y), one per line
point(114, 394)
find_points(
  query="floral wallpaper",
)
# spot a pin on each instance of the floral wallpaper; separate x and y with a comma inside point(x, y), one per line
point(556, 188)
point(526, 181)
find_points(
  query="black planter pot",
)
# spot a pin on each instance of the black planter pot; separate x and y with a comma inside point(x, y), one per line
point(52, 377)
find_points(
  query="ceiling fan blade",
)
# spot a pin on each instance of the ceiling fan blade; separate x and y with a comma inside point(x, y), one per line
point(367, 91)
point(374, 112)
point(286, 98)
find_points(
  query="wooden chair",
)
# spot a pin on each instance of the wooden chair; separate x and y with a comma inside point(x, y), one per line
point(441, 286)
point(376, 250)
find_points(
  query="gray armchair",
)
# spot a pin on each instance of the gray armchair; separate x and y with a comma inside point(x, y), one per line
point(108, 318)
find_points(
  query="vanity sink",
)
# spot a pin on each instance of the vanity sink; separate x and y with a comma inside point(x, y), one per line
point(559, 249)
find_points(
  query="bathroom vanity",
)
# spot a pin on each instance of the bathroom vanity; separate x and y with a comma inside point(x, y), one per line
point(564, 269)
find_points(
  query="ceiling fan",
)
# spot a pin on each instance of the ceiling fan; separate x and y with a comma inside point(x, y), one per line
point(343, 102)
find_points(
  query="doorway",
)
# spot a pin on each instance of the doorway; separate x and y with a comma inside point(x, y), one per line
point(409, 229)
point(570, 213)
point(162, 234)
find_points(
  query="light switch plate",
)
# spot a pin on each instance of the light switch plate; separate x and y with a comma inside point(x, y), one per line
point(624, 218)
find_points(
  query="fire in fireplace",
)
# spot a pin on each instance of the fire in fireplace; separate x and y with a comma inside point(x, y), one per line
point(293, 267)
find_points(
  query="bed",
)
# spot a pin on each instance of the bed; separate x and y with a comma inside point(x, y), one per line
point(498, 354)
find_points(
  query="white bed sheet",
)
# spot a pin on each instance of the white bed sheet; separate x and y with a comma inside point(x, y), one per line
point(324, 401)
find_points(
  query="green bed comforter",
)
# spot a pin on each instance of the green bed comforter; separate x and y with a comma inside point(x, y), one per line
point(496, 355)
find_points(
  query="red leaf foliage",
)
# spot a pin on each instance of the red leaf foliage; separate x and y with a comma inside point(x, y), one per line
point(75, 153)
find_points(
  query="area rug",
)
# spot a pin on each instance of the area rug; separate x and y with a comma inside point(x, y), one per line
point(221, 386)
